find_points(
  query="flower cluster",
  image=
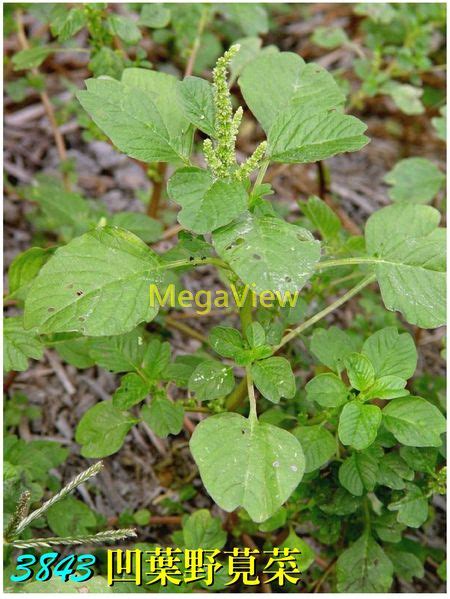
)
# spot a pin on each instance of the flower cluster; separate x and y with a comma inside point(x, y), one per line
point(221, 157)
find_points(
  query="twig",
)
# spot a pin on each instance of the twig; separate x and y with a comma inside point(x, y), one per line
point(162, 520)
point(9, 380)
point(324, 576)
point(59, 140)
point(196, 45)
point(158, 186)
point(237, 396)
point(172, 231)
point(350, 293)
point(60, 373)
point(249, 542)
point(186, 329)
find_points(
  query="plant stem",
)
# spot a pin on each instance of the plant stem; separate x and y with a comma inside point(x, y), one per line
point(186, 329)
point(366, 508)
point(48, 107)
point(262, 171)
point(237, 395)
point(253, 416)
point(347, 262)
point(322, 179)
point(308, 323)
point(245, 314)
point(158, 185)
point(196, 45)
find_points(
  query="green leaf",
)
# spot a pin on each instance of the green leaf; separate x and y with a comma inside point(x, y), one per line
point(415, 180)
point(156, 358)
point(148, 229)
point(250, 48)
point(420, 459)
point(273, 83)
point(340, 503)
point(302, 136)
point(63, 209)
point(322, 217)
point(206, 204)
point(277, 520)
point(211, 380)
point(306, 556)
point(197, 102)
point(412, 509)
point(331, 346)
point(65, 24)
point(358, 473)
point(74, 350)
point(119, 353)
point(327, 390)
point(406, 565)
point(268, 253)
point(228, 343)
point(155, 16)
point(106, 62)
point(202, 531)
point(180, 371)
point(409, 256)
point(251, 18)
point(79, 287)
point(358, 424)
point(31, 57)
point(442, 570)
point(255, 334)
point(329, 37)
point(137, 117)
point(71, 518)
point(414, 421)
point(405, 96)
point(24, 268)
point(393, 471)
point(124, 27)
point(247, 463)
point(440, 124)
point(364, 568)
point(391, 353)
point(132, 390)
point(360, 371)
point(19, 345)
point(274, 378)
point(386, 387)
point(387, 527)
point(318, 445)
point(163, 416)
point(102, 430)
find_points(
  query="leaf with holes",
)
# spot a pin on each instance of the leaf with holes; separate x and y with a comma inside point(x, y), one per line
point(80, 287)
point(267, 253)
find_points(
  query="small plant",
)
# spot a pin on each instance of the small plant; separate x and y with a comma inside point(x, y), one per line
point(401, 44)
point(351, 445)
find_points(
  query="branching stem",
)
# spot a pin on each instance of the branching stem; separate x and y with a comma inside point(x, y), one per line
point(308, 323)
